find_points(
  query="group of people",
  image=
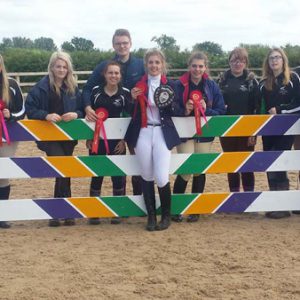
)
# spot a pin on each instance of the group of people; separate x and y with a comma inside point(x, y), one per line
point(128, 86)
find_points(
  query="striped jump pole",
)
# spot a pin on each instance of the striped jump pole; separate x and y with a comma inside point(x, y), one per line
point(121, 206)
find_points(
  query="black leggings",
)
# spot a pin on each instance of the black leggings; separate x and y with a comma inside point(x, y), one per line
point(238, 144)
point(118, 182)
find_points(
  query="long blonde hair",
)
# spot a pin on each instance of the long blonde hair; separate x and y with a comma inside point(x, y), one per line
point(69, 80)
point(268, 74)
point(5, 84)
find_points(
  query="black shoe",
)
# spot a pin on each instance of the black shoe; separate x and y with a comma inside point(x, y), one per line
point(278, 214)
point(193, 218)
point(4, 225)
point(296, 212)
point(54, 223)
point(177, 218)
point(94, 221)
point(115, 221)
point(69, 222)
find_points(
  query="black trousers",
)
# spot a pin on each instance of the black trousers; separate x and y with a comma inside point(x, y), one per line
point(62, 148)
point(278, 180)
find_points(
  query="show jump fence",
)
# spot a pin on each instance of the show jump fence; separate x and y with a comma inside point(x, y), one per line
point(188, 163)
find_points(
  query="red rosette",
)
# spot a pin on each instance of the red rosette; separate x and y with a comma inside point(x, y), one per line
point(196, 96)
point(142, 101)
point(3, 124)
point(102, 115)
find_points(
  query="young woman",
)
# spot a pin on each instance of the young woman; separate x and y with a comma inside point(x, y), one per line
point(56, 98)
point(115, 99)
point(153, 143)
point(280, 90)
point(12, 106)
point(241, 95)
point(196, 79)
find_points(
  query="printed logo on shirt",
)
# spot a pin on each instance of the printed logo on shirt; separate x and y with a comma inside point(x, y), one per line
point(283, 91)
point(243, 88)
point(118, 102)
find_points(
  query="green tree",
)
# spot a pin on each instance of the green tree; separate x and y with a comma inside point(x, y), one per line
point(44, 43)
point(82, 44)
point(210, 48)
point(22, 42)
point(165, 42)
point(6, 43)
point(67, 46)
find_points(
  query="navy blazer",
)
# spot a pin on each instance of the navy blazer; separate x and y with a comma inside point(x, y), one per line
point(168, 128)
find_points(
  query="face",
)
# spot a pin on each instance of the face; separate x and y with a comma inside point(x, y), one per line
point(275, 61)
point(154, 65)
point(60, 69)
point(122, 45)
point(197, 69)
point(237, 65)
point(112, 75)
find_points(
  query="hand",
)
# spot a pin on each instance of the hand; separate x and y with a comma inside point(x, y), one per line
point(89, 144)
point(251, 141)
point(69, 116)
point(135, 92)
point(6, 113)
point(203, 104)
point(90, 116)
point(53, 117)
point(272, 111)
point(120, 148)
point(189, 107)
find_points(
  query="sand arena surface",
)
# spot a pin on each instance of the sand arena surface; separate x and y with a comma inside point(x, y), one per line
point(235, 256)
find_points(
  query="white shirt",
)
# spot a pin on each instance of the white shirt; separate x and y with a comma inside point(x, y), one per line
point(153, 115)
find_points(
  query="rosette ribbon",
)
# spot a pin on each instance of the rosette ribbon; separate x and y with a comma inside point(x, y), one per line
point(142, 99)
point(3, 124)
point(196, 96)
point(102, 115)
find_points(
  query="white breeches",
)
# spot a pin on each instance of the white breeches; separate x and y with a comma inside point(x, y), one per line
point(7, 151)
point(153, 155)
point(191, 146)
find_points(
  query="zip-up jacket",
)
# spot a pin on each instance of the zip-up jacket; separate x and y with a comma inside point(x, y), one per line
point(37, 101)
point(16, 104)
point(285, 98)
point(116, 105)
point(212, 96)
point(241, 94)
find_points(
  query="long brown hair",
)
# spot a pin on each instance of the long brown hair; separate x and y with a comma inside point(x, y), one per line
point(5, 84)
point(69, 80)
point(268, 74)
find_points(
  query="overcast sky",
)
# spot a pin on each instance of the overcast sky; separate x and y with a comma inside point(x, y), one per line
point(226, 22)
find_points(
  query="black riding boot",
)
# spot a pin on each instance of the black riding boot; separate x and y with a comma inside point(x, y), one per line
point(136, 185)
point(4, 195)
point(149, 198)
point(197, 187)
point(179, 188)
point(165, 200)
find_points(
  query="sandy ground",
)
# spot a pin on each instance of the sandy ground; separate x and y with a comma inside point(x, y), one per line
point(235, 256)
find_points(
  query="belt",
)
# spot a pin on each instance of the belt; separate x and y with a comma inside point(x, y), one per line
point(154, 125)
